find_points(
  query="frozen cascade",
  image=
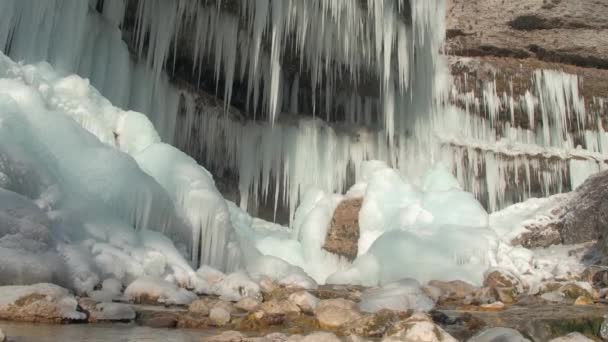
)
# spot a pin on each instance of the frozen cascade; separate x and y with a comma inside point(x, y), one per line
point(496, 159)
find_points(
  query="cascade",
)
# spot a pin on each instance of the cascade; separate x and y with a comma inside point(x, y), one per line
point(416, 116)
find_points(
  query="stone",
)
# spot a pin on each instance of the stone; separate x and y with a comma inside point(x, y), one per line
point(505, 295)
point(499, 334)
point(321, 337)
point(498, 278)
point(454, 290)
point(419, 327)
point(220, 314)
point(226, 336)
point(44, 303)
point(279, 307)
point(247, 304)
point(305, 301)
point(267, 285)
point(114, 312)
point(161, 320)
point(2, 336)
point(336, 313)
point(586, 218)
point(583, 300)
point(376, 324)
point(343, 233)
point(572, 337)
point(199, 306)
point(574, 291)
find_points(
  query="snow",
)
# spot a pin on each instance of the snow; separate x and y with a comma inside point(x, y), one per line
point(158, 290)
point(402, 295)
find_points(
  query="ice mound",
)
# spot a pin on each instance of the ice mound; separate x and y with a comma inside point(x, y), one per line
point(89, 192)
point(402, 295)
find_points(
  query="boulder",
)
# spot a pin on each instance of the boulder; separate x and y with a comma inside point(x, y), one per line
point(453, 290)
point(336, 313)
point(199, 306)
point(343, 233)
point(220, 314)
point(572, 337)
point(305, 301)
point(587, 216)
point(247, 304)
point(499, 334)
point(419, 327)
point(39, 303)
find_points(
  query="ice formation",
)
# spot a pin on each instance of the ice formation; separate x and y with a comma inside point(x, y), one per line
point(93, 191)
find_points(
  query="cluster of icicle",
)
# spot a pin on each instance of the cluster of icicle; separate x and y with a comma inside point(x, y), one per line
point(498, 161)
point(334, 40)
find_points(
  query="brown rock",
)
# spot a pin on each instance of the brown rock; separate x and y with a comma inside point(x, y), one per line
point(200, 307)
point(573, 291)
point(336, 313)
point(343, 233)
point(375, 325)
point(503, 279)
point(279, 307)
point(583, 300)
point(247, 304)
point(454, 290)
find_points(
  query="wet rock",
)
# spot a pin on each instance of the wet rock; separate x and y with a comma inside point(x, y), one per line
point(247, 304)
point(583, 300)
point(279, 307)
point(260, 320)
point(336, 313)
point(305, 301)
point(419, 327)
point(572, 337)
point(114, 312)
point(159, 320)
point(574, 291)
point(343, 232)
point(375, 325)
point(499, 334)
point(199, 306)
point(349, 292)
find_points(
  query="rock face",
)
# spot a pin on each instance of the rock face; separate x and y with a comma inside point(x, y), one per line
point(586, 217)
point(343, 233)
point(570, 32)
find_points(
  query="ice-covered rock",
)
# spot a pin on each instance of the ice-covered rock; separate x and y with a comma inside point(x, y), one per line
point(236, 286)
point(150, 290)
point(403, 295)
point(114, 312)
point(38, 303)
